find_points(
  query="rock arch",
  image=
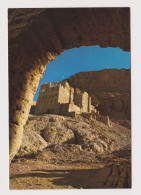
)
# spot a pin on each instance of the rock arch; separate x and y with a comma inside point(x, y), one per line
point(37, 36)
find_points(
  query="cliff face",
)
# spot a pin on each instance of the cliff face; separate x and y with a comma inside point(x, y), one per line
point(110, 90)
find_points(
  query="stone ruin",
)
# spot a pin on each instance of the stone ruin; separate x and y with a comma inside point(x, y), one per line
point(62, 99)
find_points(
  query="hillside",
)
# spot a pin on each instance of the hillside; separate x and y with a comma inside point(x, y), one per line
point(64, 152)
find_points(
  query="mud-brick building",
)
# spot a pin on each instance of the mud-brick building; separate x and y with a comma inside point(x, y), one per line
point(61, 98)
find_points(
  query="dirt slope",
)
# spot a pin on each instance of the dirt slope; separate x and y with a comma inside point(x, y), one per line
point(63, 153)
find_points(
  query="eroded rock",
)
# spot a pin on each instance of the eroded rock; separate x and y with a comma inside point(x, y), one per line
point(110, 90)
point(55, 135)
point(54, 131)
point(31, 144)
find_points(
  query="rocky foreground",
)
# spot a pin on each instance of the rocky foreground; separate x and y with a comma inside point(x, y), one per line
point(61, 152)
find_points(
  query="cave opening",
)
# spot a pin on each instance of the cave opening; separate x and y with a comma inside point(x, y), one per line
point(38, 36)
point(94, 70)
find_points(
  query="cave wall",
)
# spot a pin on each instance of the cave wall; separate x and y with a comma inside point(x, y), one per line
point(37, 36)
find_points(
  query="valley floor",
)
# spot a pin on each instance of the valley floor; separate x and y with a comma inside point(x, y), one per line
point(81, 163)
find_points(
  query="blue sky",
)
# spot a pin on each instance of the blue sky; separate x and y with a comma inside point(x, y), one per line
point(84, 59)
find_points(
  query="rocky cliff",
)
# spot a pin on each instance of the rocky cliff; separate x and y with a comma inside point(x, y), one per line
point(110, 90)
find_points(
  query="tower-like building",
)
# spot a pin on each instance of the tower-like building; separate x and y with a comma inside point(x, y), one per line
point(61, 98)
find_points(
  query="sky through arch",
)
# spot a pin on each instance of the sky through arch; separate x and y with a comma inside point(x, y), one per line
point(84, 59)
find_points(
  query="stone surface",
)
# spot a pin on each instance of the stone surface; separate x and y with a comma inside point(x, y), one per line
point(37, 36)
point(57, 134)
point(110, 90)
point(49, 131)
point(99, 158)
point(32, 143)
point(33, 107)
point(61, 99)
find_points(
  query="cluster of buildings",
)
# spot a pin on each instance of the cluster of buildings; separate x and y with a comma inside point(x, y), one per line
point(62, 99)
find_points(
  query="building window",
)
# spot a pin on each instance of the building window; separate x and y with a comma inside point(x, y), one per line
point(42, 90)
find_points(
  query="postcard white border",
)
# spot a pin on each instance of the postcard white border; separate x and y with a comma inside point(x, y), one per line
point(135, 6)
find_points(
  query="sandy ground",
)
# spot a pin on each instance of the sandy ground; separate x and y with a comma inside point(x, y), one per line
point(69, 165)
point(112, 171)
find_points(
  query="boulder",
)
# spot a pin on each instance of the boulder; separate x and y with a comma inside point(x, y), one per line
point(31, 144)
point(56, 135)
